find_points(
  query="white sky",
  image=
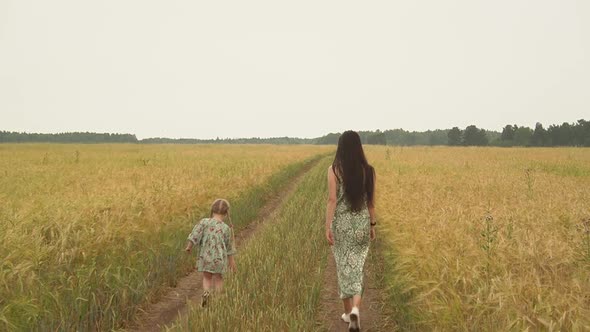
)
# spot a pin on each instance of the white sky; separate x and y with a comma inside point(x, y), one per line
point(204, 69)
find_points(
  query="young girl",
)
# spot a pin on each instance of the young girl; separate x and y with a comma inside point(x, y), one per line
point(216, 247)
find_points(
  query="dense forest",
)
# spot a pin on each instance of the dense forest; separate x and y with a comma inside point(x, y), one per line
point(575, 134)
point(566, 134)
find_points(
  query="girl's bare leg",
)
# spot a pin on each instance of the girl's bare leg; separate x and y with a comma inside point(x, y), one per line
point(207, 281)
point(218, 280)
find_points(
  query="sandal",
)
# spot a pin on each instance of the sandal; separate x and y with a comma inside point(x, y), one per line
point(205, 299)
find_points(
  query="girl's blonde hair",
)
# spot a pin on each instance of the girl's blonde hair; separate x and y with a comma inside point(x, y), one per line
point(220, 206)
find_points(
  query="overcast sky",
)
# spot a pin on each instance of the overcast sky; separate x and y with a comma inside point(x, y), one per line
point(190, 68)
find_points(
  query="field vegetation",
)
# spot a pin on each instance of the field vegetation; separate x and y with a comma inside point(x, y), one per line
point(280, 272)
point(486, 239)
point(90, 233)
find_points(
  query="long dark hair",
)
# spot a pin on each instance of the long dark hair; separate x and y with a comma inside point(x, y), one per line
point(351, 167)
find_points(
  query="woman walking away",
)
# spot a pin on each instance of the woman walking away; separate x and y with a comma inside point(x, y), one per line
point(350, 220)
point(216, 247)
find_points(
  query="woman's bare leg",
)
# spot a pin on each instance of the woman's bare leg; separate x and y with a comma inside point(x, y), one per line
point(347, 305)
point(356, 301)
point(355, 320)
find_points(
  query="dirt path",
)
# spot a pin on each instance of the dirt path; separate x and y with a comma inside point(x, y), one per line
point(374, 315)
point(174, 302)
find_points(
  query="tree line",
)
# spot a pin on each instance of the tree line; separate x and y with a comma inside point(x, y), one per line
point(74, 137)
point(252, 140)
point(566, 134)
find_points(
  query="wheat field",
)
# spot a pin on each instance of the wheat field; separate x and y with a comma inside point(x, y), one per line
point(483, 239)
point(486, 239)
point(90, 232)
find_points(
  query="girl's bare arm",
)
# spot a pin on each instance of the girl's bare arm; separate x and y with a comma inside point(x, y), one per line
point(189, 246)
point(232, 263)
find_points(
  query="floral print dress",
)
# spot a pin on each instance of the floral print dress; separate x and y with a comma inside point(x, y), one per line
point(215, 241)
point(352, 234)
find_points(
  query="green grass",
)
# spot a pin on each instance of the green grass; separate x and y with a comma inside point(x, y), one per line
point(247, 206)
point(565, 169)
point(399, 291)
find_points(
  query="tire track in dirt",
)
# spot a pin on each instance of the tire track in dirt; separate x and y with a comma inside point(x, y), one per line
point(189, 288)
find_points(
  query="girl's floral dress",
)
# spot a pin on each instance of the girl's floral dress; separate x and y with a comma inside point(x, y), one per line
point(215, 241)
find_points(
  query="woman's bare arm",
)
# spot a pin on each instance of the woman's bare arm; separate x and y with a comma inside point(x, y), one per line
point(371, 207)
point(331, 205)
